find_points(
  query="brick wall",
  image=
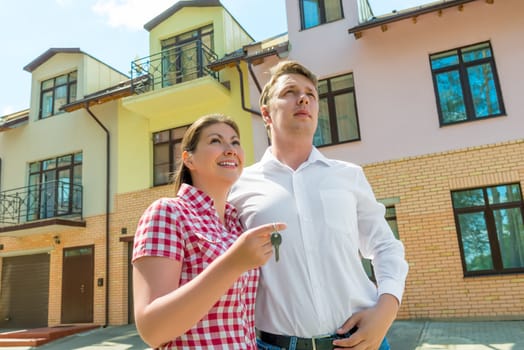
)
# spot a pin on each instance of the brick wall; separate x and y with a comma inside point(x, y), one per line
point(128, 209)
point(436, 287)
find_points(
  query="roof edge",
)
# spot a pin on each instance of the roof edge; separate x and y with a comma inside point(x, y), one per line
point(180, 4)
point(408, 13)
point(37, 62)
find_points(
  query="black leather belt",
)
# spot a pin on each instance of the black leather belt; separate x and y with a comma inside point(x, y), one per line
point(316, 343)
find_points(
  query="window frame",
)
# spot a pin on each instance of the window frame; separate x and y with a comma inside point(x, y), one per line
point(69, 83)
point(322, 14)
point(173, 51)
point(171, 142)
point(330, 95)
point(38, 172)
point(465, 86)
point(487, 210)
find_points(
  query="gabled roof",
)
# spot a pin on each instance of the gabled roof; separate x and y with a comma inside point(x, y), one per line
point(176, 7)
point(37, 62)
point(407, 13)
point(14, 120)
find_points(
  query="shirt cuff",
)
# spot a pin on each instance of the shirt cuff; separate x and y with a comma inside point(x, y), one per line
point(391, 287)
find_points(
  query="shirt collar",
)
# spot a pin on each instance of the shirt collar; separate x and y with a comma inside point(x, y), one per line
point(314, 157)
point(202, 202)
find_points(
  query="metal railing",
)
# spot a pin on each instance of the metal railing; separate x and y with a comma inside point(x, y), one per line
point(172, 66)
point(42, 201)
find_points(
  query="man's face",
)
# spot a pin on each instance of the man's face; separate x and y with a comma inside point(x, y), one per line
point(292, 109)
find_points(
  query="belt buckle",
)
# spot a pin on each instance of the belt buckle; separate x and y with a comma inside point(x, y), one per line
point(314, 340)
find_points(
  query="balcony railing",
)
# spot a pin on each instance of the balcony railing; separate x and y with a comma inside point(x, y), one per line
point(172, 66)
point(43, 201)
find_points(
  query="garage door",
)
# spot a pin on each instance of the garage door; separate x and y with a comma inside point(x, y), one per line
point(24, 293)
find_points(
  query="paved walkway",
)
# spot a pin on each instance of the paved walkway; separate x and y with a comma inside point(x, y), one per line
point(426, 335)
point(403, 335)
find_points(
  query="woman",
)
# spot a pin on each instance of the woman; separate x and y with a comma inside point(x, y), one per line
point(194, 275)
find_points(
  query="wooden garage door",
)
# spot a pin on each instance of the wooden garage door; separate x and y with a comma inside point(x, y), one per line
point(24, 293)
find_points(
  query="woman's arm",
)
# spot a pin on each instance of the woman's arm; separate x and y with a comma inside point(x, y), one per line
point(164, 311)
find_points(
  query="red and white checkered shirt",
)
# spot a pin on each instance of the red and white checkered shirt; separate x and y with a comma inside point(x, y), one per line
point(187, 229)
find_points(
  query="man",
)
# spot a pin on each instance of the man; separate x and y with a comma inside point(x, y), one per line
point(317, 293)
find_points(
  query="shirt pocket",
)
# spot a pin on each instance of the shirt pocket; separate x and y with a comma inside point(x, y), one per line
point(340, 212)
point(208, 247)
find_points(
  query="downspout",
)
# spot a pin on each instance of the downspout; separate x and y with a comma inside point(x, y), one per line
point(243, 97)
point(250, 67)
point(107, 209)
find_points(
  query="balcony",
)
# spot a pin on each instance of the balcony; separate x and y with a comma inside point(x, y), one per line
point(174, 79)
point(45, 207)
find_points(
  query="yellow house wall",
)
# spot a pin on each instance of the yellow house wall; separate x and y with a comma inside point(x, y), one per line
point(99, 76)
point(436, 287)
point(135, 161)
point(135, 131)
point(55, 136)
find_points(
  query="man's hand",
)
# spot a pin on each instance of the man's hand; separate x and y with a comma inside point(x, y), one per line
point(372, 324)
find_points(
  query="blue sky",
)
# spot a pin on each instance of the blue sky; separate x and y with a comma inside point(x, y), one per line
point(110, 30)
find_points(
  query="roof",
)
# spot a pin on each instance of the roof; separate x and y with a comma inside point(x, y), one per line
point(13, 120)
point(115, 92)
point(37, 62)
point(242, 54)
point(403, 14)
point(178, 6)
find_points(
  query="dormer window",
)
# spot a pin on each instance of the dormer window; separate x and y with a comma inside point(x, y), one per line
point(57, 92)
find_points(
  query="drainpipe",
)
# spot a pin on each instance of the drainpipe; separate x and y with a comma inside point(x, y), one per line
point(250, 67)
point(241, 77)
point(107, 208)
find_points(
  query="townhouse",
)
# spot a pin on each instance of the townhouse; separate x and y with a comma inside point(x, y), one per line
point(53, 212)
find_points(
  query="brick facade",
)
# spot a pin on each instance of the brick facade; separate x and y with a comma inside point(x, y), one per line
point(436, 287)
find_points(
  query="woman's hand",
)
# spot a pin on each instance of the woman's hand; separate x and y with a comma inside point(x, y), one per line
point(253, 248)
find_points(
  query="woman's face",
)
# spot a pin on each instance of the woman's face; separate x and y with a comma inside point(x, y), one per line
point(218, 157)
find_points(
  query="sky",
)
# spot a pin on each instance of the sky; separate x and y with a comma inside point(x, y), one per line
point(111, 31)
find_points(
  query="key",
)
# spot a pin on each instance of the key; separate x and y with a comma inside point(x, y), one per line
point(276, 239)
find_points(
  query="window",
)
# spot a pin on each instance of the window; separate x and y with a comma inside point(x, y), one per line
point(466, 84)
point(57, 92)
point(186, 56)
point(490, 229)
point(337, 117)
point(55, 187)
point(317, 12)
point(391, 218)
point(166, 154)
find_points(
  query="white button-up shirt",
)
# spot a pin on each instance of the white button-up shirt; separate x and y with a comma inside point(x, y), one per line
point(331, 214)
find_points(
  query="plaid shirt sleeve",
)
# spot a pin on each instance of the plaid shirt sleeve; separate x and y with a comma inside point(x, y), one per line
point(158, 232)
